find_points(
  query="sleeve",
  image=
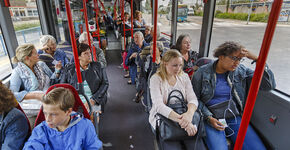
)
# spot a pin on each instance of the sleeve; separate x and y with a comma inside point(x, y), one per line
point(101, 93)
point(102, 59)
point(15, 84)
point(92, 141)
point(268, 80)
point(15, 133)
point(190, 95)
point(37, 140)
point(157, 97)
point(197, 87)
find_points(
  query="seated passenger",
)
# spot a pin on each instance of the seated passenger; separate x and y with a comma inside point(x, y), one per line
point(146, 66)
point(167, 78)
point(100, 54)
point(133, 52)
point(165, 42)
point(94, 77)
point(147, 36)
point(183, 45)
point(49, 54)
point(221, 87)
point(31, 78)
point(139, 22)
point(62, 128)
point(13, 124)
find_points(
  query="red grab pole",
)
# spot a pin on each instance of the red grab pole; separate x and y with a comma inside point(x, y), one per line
point(122, 16)
point(97, 21)
point(132, 19)
point(155, 30)
point(274, 15)
point(73, 41)
point(87, 28)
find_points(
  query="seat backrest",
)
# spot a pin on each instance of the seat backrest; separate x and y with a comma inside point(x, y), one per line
point(78, 106)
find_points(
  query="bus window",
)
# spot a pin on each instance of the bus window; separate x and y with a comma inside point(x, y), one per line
point(5, 66)
point(26, 22)
point(251, 36)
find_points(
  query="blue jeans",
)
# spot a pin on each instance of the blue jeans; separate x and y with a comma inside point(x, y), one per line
point(216, 140)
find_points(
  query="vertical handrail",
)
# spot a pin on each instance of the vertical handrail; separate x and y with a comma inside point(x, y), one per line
point(73, 41)
point(7, 3)
point(122, 16)
point(131, 19)
point(87, 28)
point(155, 30)
point(102, 4)
point(97, 21)
point(274, 15)
point(115, 11)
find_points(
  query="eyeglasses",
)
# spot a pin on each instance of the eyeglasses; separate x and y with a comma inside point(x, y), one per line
point(235, 58)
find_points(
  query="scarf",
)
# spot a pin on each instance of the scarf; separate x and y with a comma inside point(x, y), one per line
point(38, 81)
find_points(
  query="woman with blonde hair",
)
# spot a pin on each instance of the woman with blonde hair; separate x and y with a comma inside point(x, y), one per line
point(139, 22)
point(170, 77)
point(31, 78)
point(13, 125)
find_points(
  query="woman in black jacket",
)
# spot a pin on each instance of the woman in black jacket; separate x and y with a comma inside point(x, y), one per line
point(95, 81)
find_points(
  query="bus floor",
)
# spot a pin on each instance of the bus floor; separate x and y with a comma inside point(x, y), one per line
point(124, 124)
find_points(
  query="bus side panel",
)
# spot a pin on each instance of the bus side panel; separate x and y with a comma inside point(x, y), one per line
point(271, 117)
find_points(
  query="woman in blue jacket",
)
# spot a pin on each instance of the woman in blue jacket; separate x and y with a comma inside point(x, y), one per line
point(137, 46)
point(13, 124)
point(221, 88)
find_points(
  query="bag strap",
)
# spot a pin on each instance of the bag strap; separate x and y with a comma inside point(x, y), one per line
point(170, 96)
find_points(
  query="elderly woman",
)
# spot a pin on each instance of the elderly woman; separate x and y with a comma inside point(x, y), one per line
point(136, 47)
point(170, 77)
point(221, 87)
point(49, 54)
point(100, 54)
point(94, 77)
point(139, 22)
point(31, 78)
point(183, 45)
point(146, 66)
point(13, 124)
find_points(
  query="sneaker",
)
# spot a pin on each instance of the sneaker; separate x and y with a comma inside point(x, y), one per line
point(126, 76)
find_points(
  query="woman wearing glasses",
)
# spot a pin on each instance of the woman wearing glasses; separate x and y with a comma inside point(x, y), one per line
point(221, 88)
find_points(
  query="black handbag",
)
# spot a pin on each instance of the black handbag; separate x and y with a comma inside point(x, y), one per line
point(168, 130)
point(224, 110)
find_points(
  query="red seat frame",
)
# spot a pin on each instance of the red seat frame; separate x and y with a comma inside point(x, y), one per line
point(78, 106)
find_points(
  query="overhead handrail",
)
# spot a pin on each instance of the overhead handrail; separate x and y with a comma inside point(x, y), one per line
point(155, 30)
point(166, 34)
point(87, 28)
point(261, 62)
point(97, 21)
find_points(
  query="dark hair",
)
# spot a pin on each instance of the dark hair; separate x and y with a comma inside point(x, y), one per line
point(7, 99)
point(60, 96)
point(227, 48)
point(82, 47)
point(179, 41)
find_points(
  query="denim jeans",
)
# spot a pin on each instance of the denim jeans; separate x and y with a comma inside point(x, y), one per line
point(216, 140)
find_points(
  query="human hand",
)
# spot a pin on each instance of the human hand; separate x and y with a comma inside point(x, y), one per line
point(248, 54)
point(191, 129)
point(134, 55)
point(216, 124)
point(92, 102)
point(58, 66)
point(185, 120)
